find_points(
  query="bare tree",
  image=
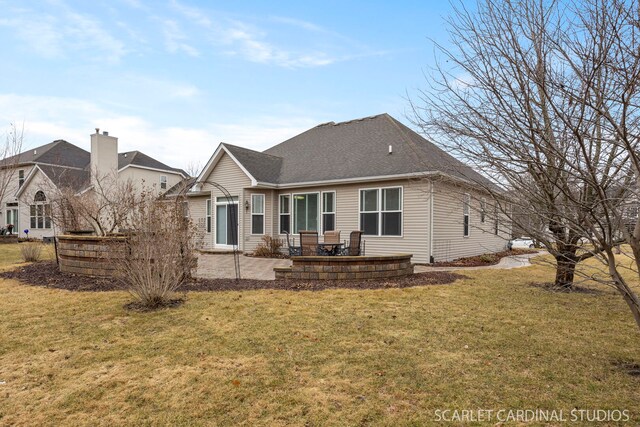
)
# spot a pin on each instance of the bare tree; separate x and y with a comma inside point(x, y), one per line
point(101, 207)
point(158, 249)
point(9, 158)
point(542, 97)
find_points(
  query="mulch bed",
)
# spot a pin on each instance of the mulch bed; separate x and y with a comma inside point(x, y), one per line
point(46, 274)
point(482, 260)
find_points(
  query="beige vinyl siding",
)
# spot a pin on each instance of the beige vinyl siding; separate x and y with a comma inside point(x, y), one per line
point(228, 174)
point(147, 179)
point(415, 217)
point(39, 182)
point(198, 215)
point(253, 240)
point(448, 240)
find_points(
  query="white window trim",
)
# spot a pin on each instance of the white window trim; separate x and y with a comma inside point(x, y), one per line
point(208, 215)
point(335, 209)
point(44, 203)
point(466, 212)
point(380, 211)
point(293, 222)
point(163, 182)
point(483, 210)
point(290, 213)
point(225, 202)
point(21, 180)
point(264, 208)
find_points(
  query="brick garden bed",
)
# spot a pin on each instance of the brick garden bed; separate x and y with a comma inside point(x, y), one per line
point(346, 267)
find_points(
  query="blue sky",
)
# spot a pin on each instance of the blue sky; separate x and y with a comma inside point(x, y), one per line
point(174, 78)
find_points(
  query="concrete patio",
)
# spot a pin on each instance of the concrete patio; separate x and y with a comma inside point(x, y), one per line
point(213, 265)
point(221, 266)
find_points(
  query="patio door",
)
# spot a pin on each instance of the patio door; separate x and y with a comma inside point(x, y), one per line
point(226, 222)
point(12, 218)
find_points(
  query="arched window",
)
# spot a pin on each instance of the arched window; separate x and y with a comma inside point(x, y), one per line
point(40, 211)
point(40, 197)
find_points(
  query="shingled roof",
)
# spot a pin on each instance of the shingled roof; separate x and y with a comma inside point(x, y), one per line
point(351, 150)
point(138, 158)
point(59, 152)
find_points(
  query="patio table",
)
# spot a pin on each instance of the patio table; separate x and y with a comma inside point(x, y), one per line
point(331, 248)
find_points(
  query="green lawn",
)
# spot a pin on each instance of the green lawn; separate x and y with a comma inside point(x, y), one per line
point(345, 357)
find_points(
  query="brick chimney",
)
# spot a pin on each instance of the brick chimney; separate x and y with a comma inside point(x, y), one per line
point(104, 155)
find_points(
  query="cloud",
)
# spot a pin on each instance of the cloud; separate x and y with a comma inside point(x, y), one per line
point(56, 35)
point(50, 118)
point(175, 39)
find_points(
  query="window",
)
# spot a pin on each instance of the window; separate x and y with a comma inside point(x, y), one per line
point(496, 224)
point(285, 214)
point(465, 212)
point(163, 182)
point(40, 212)
point(257, 214)
point(20, 177)
point(328, 211)
point(381, 211)
point(483, 210)
point(208, 215)
point(305, 212)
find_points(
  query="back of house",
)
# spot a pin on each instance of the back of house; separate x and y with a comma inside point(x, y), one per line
point(372, 174)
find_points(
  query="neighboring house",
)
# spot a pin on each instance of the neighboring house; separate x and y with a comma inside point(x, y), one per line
point(372, 174)
point(60, 164)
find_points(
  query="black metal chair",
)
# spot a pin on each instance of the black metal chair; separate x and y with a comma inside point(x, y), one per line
point(355, 241)
point(293, 250)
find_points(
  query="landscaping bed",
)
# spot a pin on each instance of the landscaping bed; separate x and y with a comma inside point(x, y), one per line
point(46, 274)
point(484, 259)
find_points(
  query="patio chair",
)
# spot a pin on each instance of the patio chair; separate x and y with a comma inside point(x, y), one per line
point(330, 237)
point(309, 243)
point(293, 250)
point(355, 240)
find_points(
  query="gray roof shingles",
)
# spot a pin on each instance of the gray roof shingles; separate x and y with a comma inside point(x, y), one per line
point(349, 150)
point(67, 165)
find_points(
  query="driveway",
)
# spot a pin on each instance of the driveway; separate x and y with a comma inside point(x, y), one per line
point(221, 266)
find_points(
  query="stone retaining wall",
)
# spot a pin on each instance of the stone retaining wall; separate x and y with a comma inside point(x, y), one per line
point(346, 267)
point(87, 255)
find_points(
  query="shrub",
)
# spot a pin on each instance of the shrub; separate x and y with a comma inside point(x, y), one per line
point(488, 258)
point(31, 251)
point(158, 253)
point(269, 248)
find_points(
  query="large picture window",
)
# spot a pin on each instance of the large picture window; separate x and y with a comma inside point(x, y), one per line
point(465, 214)
point(328, 211)
point(285, 214)
point(381, 211)
point(40, 212)
point(257, 214)
point(305, 212)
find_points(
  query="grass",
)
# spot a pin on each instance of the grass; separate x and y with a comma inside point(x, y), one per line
point(340, 357)
point(10, 254)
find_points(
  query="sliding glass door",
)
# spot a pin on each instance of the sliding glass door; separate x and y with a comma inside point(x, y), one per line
point(226, 222)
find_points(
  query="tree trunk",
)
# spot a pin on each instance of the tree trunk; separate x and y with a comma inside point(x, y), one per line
point(630, 297)
point(565, 272)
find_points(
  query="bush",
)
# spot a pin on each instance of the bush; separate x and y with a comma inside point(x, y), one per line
point(488, 258)
point(158, 254)
point(269, 248)
point(31, 251)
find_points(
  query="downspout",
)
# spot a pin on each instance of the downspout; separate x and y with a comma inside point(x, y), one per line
point(431, 259)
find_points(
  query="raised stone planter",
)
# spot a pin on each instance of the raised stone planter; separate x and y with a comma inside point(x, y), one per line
point(88, 255)
point(9, 238)
point(346, 267)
